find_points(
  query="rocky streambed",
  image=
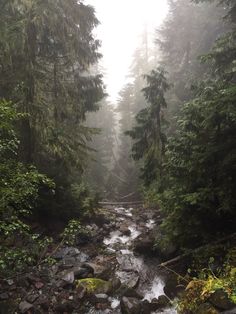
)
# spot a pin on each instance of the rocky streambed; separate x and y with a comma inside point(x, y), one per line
point(110, 270)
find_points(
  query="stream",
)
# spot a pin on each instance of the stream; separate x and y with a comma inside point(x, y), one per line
point(136, 271)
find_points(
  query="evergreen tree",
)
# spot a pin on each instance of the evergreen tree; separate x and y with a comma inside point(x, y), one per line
point(148, 133)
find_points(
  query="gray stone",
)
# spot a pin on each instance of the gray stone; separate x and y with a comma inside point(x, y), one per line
point(32, 297)
point(101, 297)
point(133, 282)
point(130, 306)
point(25, 306)
point(69, 277)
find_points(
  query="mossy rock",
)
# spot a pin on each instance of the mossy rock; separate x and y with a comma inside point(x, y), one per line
point(95, 285)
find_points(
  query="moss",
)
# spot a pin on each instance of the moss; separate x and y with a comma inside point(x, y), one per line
point(94, 285)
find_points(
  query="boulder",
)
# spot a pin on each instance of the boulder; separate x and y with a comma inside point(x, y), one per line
point(156, 304)
point(115, 284)
point(95, 285)
point(124, 229)
point(172, 287)
point(97, 270)
point(125, 291)
point(130, 306)
point(25, 306)
point(144, 245)
point(220, 300)
point(133, 281)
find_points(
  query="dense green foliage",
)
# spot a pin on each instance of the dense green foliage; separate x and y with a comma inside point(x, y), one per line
point(196, 184)
point(148, 133)
point(48, 58)
point(19, 191)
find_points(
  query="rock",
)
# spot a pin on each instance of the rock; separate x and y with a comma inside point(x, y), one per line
point(69, 277)
point(221, 300)
point(172, 287)
point(101, 298)
point(67, 251)
point(130, 306)
point(115, 284)
point(206, 308)
point(124, 229)
point(70, 256)
point(24, 307)
point(95, 285)
point(156, 304)
point(129, 292)
point(4, 296)
point(163, 301)
point(81, 272)
point(144, 245)
point(32, 297)
point(97, 270)
point(133, 281)
point(43, 301)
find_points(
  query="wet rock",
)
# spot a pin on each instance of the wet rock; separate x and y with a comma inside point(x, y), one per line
point(24, 307)
point(144, 245)
point(221, 300)
point(115, 284)
point(124, 229)
point(162, 300)
point(206, 308)
point(172, 287)
point(130, 306)
point(101, 298)
point(125, 291)
point(133, 281)
point(95, 285)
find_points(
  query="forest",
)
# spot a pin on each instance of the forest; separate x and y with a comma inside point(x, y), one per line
point(126, 207)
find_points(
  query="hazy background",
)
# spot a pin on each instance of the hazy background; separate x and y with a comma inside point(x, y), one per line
point(122, 23)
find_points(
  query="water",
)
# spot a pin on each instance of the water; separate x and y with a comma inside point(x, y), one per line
point(155, 290)
point(135, 268)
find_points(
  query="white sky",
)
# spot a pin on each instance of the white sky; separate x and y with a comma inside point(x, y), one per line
point(122, 23)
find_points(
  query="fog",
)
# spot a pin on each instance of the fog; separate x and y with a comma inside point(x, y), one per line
point(121, 24)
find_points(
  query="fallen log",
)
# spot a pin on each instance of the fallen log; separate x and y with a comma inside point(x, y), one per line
point(121, 203)
point(194, 251)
